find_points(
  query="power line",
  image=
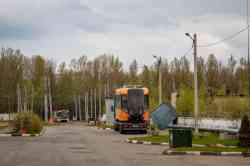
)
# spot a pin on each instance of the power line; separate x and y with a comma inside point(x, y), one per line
point(186, 53)
point(225, 39)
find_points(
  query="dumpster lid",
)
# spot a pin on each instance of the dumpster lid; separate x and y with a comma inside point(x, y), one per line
point(163, 116)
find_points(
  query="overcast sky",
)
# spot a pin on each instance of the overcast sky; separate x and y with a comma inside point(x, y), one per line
point(132, 29)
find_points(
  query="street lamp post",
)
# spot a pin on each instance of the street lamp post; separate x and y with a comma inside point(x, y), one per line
point(196, 95)
point(160, 78)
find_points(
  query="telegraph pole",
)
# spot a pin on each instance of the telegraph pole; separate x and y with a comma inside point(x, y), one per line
point(91, 104)
point(76, 106)
point(19, 105)
point(248, 56)
point(45, 99)
point(160, 82)
point(95, 105)
point(159, 78)
point(80, 109)
point(99, 95)
point(86, 107)
point(50, 100)
point(196, 93)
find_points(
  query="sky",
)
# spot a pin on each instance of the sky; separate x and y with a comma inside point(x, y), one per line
point(61, 30)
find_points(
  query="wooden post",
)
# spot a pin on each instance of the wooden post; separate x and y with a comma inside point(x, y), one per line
point(80, 110)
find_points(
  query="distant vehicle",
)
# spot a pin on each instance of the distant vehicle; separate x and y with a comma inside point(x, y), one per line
point(131, 109)
point(62, 116)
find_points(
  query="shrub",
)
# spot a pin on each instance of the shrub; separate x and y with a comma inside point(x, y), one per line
point(185, 102)
point(244, 133)
point(27, 122)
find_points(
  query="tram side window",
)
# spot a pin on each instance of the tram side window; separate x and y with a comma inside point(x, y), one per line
point(146, 102)
point(124, 102)
point(118, 101)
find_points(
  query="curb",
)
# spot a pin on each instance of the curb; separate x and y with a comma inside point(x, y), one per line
point(145, 142)
point(24, 135)
point(198, 153)
point(167, 144)
point(99, 128)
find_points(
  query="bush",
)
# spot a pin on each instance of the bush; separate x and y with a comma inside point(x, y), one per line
point(185, 102)
point(27, 122)
point(244, 133)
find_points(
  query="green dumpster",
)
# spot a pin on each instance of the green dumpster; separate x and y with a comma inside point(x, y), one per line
point(180, 138)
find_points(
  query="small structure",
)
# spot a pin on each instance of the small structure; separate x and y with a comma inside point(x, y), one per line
point(109, 102)
point(174, 97)
point(164, 116)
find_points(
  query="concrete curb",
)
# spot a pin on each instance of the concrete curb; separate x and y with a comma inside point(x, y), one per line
point(24, 135)
point(99, 128)
point(145, 142)
point(198, 153)
point(167, 144)
point(5, 135)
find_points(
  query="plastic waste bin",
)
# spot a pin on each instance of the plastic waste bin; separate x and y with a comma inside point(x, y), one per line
point(180, 138)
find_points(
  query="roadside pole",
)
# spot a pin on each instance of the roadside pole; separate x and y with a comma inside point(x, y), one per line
point(86, 107)
point(76, 105)
point(99, 95)
point(80, 110)
point(95, 105)
point(91, 104)
point(19, 107)
point(159, 78)
point(50, 100)
point(196, 95)
point(248, 51)
point(160, 82)
point(45, 100)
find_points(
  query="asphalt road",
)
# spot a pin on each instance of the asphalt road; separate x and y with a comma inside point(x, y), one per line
point(78, 145)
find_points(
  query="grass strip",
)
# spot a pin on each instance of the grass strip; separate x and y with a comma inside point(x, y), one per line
point(212, 149)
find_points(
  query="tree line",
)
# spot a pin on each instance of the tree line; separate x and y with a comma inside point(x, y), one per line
point(24, 80)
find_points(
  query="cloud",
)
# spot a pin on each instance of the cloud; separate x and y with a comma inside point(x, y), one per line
point(65, 29)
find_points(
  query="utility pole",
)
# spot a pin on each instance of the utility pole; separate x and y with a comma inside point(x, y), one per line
point(95, 105)
point(91, 104)
point(50, 100)
point(32, 98)
point(19, 105)
point(160, 82)
point(159, 60)
point(45, 100)
point(196, 93)
point(79, 109)
point(100, 95)
point(86, 106)
point(76, 105)
point(248, 56)
point(25, 100)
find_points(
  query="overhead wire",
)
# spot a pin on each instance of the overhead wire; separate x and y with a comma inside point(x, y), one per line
point(225, 39)
point(186, 53)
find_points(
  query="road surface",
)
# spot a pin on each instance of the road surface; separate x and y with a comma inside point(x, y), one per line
point(79, 145)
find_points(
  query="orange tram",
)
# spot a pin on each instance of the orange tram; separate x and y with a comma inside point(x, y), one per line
point(131, 109)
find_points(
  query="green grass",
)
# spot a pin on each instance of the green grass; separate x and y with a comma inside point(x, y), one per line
point(153, 139)
point(212, 149)
point(203, 140)
point(213, 139)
